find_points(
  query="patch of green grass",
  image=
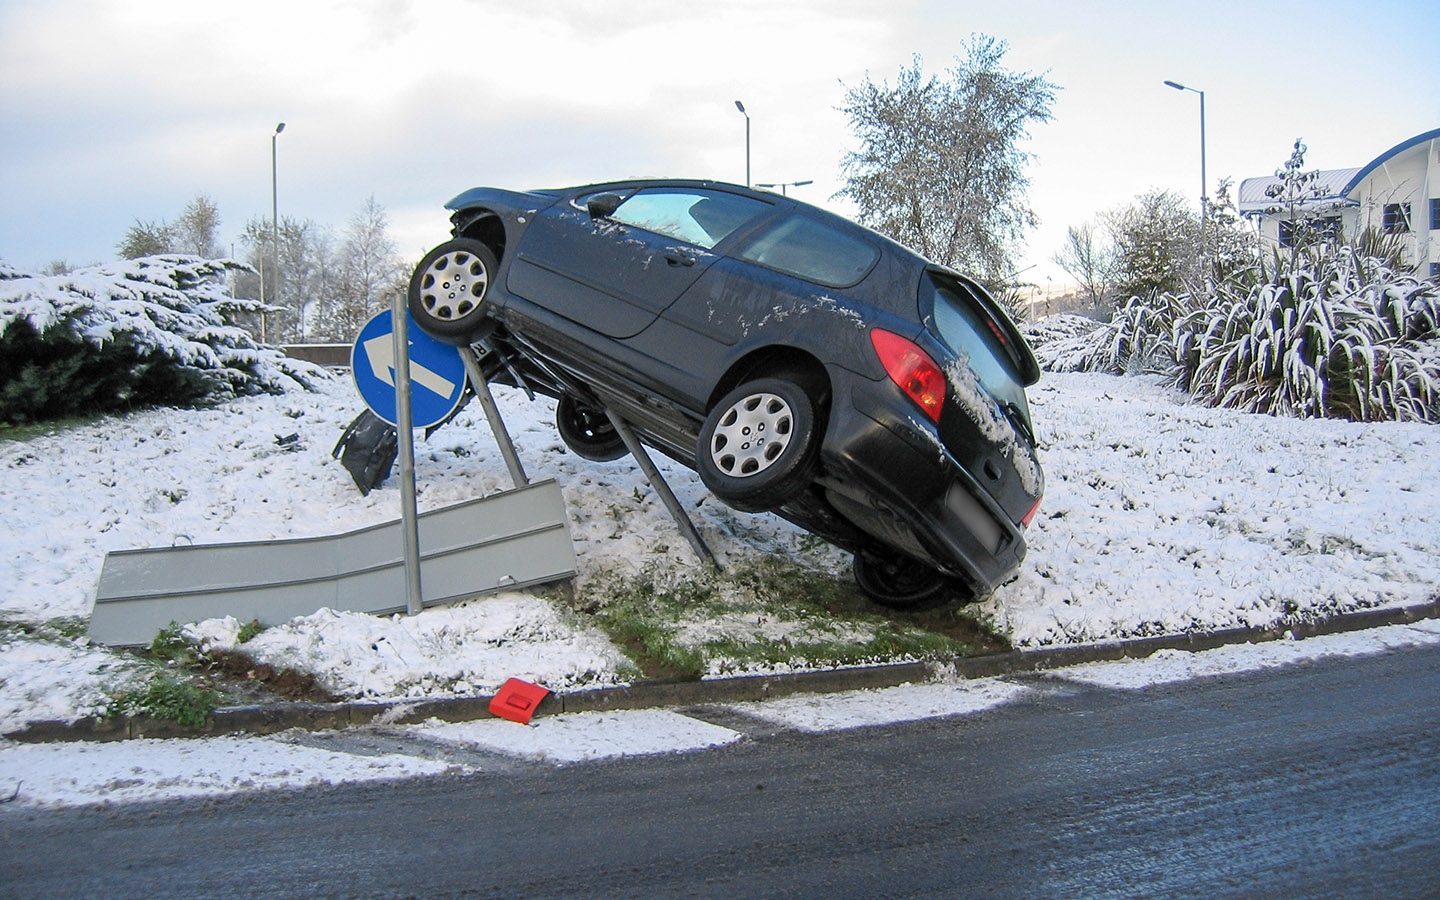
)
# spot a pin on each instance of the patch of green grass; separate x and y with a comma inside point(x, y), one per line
point(24, 431)
point(759, 613)
point(171, 645)
point(249, 631)
point(61, 630)
point(167, 697)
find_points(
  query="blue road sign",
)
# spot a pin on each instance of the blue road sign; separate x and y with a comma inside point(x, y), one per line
point(437, 372)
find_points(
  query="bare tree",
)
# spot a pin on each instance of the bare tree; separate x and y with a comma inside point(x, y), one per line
point(298, 295)
point(369, 269)
point(940, 166)
point(1090, 261)
point(194, 232)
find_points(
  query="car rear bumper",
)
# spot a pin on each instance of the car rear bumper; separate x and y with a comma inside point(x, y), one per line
point(888, 474)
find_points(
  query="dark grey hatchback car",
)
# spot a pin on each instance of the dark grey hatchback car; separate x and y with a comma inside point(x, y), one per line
point(798, 362)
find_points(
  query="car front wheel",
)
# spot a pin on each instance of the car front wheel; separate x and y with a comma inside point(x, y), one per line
point(757, 448)
point(448, 290)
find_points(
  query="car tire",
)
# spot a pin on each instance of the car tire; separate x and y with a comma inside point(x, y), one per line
point(448, 290)
point(587, 431)
point(898, 582)
point(758, 446)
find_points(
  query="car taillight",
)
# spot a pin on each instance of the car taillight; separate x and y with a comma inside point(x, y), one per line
point(1030, 516)
point(912, 369)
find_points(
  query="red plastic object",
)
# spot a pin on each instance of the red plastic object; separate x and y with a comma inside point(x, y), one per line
point(516, 700)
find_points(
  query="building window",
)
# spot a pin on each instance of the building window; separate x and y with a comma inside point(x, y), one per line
point(1397, 218)
point(1323, 228)
point(1435, 213)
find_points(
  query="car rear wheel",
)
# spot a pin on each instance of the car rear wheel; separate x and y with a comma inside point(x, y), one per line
point(448, 289)
point(587, 431)
point(899, 582)
point(757, 448)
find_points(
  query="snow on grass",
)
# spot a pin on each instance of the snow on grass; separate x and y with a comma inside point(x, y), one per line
point(1162, 517)
point(57, 679)
point(1159, 517)
point(468, 648)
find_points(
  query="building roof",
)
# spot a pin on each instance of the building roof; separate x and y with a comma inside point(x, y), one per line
point(1333, 185)
point(1385, 157)
point(1336, 185)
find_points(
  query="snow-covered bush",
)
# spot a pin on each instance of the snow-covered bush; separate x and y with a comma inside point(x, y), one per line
point(140, 332)
point(1331, 332)
point(1065, 343)
point(1334, 334)
point(1139, 339)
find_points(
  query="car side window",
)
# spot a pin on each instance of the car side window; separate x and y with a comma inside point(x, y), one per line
point(700, 217)
point(813, 250)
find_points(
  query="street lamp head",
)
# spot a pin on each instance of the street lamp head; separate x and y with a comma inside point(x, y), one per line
point(740, 106)
point(279, 128)
point(1178, 87)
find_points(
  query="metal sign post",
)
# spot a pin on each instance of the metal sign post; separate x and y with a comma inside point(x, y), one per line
point(405, 433)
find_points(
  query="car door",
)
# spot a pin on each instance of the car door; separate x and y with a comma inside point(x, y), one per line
point(616, 273)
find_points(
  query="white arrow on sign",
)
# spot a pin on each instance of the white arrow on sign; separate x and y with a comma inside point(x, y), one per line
point(381, 352)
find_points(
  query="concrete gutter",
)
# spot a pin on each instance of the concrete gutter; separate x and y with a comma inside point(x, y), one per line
point(269, 719)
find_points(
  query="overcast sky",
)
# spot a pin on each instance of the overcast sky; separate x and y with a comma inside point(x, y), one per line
point(118, 110)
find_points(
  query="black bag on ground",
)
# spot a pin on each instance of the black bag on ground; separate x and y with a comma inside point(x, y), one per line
point(367, 449)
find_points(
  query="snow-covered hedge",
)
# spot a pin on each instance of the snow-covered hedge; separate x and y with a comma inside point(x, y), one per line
point(1335, 334)
point(141, 332)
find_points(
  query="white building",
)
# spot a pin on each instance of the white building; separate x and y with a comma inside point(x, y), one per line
point(1396, 193)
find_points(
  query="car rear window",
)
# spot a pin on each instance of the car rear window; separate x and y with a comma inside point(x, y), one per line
point(965, 326)
point(813, 250)
point(700, 217)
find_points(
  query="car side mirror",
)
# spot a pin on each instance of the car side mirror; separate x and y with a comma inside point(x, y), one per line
point(602, 205)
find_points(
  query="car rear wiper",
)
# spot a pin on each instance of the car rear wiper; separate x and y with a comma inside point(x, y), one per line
point(1017, 416)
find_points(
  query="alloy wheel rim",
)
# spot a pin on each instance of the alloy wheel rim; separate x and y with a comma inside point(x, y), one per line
point(453, 285)
point(752, 435)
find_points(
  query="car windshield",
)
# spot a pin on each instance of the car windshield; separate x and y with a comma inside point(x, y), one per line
point(966, 328)
point(700, 217)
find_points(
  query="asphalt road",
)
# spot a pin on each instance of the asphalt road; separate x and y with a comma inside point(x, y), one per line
point(1314, 781)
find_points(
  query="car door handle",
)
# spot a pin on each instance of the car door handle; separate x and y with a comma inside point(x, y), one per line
point(676, 258)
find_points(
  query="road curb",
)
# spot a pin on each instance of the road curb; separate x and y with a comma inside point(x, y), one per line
point(270, 719)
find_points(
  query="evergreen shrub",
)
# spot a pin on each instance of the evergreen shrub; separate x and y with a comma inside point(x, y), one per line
point(156, 331)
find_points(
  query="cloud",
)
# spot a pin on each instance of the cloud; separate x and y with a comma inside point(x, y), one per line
point(112, 110)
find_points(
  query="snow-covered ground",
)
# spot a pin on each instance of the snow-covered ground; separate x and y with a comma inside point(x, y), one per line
point(1159, 517)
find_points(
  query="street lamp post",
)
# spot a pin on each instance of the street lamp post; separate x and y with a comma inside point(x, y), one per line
point(782, 185)
point(1204, 196)
point(740, 106)
point(274, 217)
